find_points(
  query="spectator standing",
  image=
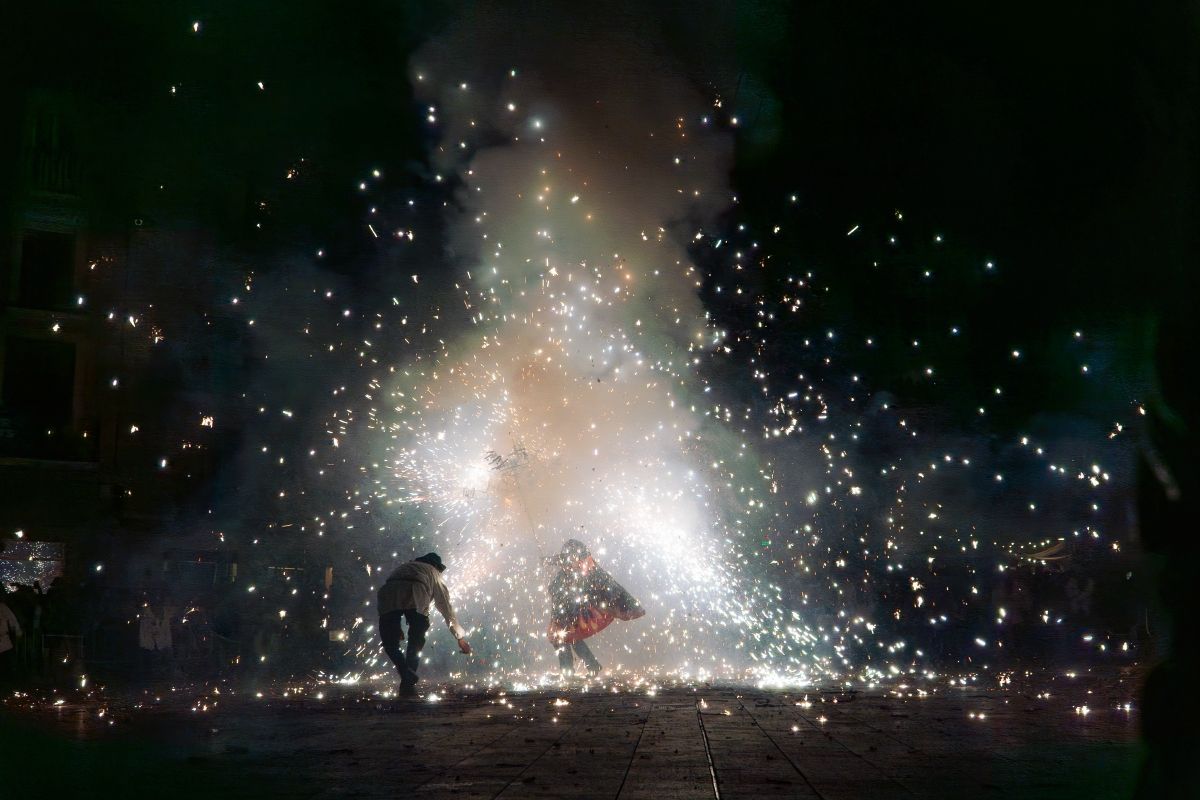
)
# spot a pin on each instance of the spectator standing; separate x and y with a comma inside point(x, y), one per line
point(10, 631)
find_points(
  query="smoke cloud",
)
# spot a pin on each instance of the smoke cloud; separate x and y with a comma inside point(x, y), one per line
point(569, 404)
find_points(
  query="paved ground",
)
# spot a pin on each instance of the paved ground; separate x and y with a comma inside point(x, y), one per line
point(687, 742)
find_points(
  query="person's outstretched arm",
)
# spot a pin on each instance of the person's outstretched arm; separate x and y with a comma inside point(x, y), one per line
point(441, 599)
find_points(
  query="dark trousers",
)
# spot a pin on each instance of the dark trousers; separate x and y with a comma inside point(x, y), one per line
point(153, 664)
point(569, 652)
point(391, 631)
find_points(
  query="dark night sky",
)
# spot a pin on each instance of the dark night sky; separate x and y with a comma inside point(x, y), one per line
point(1058, 141)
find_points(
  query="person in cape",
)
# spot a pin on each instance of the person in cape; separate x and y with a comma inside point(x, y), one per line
point(584, 600)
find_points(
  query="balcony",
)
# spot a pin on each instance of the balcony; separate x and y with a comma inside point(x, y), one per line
point(52, 172)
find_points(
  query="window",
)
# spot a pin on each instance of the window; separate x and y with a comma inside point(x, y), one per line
point(47, 276)
point(50, 153)
point(39, 386)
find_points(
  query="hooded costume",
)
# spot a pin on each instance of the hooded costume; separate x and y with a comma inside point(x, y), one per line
point(585, 599)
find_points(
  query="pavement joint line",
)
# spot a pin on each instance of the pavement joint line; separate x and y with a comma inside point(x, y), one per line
point(888, 735)
point(508, 730)
point(786, 757)
point(633, 755)
point(845, 747)
point(424, 713)
point(937, 727)
point(881, 745)
point(542, 754)
point(395, 709)
point(712, 769)
point(882, 731)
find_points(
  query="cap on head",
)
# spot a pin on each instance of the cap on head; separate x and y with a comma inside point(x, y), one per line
point(433, 560)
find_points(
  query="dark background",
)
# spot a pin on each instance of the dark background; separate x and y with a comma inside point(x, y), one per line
point(1056, 140)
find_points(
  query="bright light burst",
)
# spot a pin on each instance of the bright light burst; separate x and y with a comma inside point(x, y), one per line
point(574, 406)
point(568, 383)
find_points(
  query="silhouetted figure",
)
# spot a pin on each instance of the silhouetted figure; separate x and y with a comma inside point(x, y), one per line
point(10, 631)
point(406, 597)
point(1168, 487)
point(584, 600)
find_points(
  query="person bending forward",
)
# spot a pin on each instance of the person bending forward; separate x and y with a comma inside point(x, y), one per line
point(406, 598)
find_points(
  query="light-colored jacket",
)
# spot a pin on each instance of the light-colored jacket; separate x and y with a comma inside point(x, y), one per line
point(10, 629)
point(416, 585)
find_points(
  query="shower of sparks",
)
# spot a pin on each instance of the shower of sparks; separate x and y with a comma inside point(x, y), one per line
point(575, 406)
point(564, 380)
point(591, 397)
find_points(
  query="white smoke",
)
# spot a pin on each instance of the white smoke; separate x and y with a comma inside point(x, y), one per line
point(570, 406)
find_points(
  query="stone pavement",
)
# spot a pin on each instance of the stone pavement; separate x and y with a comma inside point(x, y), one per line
point(690, 742)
